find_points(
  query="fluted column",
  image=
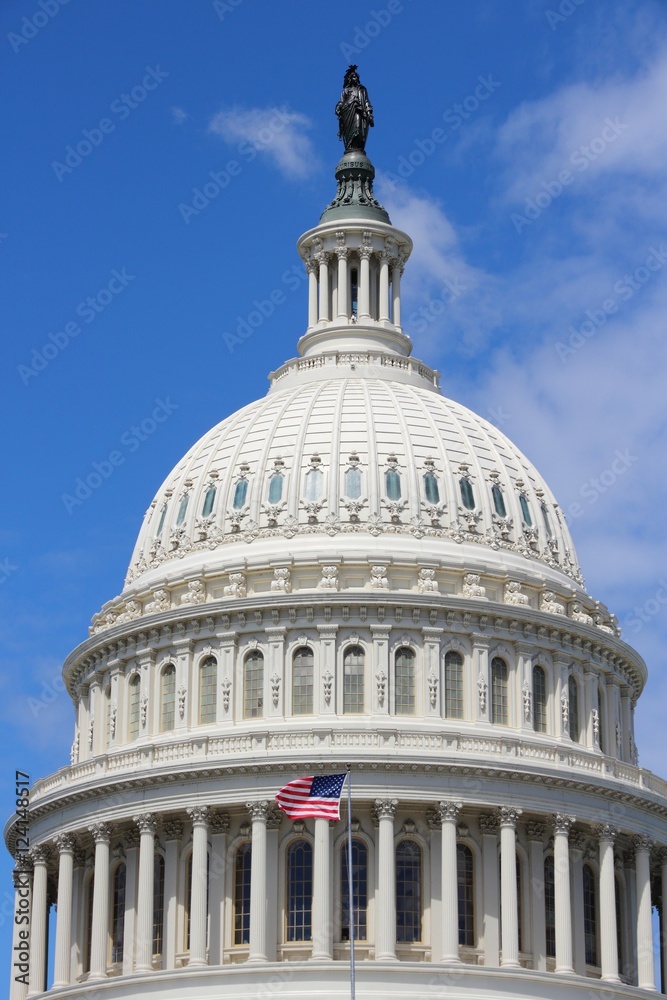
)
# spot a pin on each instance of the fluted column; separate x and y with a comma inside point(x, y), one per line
point(365, 282)
point(258, 813)
point(645, 967)
point(383, 306)
point(562, 825)
point(396, 291)
point(449, 814)
point(488, 826)
point(99, 938)
point(199, 816)
point(38, 920)
point(343, 293)
point(66, 844)
point(608, 931)
point(173, 831)
point(147, 823)
point(311, 268)
point(323, 261)
point(536, 833)
point(385, 924)
point(322, 929)
point(508, 817)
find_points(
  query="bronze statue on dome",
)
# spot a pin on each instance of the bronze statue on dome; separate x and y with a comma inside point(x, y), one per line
point(354, 112)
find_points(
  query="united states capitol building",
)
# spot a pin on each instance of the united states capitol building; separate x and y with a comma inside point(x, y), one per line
point(352, 570)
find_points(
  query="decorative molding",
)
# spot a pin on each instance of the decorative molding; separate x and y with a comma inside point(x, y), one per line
point(199, 815)
point(101, 832)
point(385, 808)
point(473, 588)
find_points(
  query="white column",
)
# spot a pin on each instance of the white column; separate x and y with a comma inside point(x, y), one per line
point(322, 926)
point(536, 833)
point(385, 921)
point(608, 930)
point(449, 814)
point(488, 825)
point(66, 845)
point(323, 260)
point(365, 282)
point(343, 290)
point(645, 969)
point(562, 900)
point(577, 847)
point(20, 961)
point(258, 813)
point(662, 859)
point(508, 896)
point(146, 823)
point(173, 831)
point(217, 871)
point(311, 268)
point(396, 291)
point(383, 310)
point(38, 929)
point(99, 943)
point(199, 816)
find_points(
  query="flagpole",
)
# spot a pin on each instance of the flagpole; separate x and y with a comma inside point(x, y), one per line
point(350, 879)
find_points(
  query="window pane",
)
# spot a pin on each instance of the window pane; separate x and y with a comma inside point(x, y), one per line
point(393, 484)
point(467, 495)
point(404, 682)
point(118, 914)
point(547, 521)
point(300, 891)
point(359, 891)
point(408, 891)
point(240, 493)
point(539, 700)
point(353, 484)
point(276, 488)
point(550, 905)
point(573, 694)
point(464, 876)
point(182, 507)
point(353, 680)
point(498, 500)
point(525, 510)
point(453, 685)
point(208, 677)
point(314, 479)
point(302, 682)
point(135, 693)
point(242, 895)
point(590, 917)
point(209, 500)
point(168, 698)
point(431, 489)
point(253, 686)
point(499, 713)
point(163, 514)
point(158, 904)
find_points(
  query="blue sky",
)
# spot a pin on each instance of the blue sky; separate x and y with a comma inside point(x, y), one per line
point(523, 147)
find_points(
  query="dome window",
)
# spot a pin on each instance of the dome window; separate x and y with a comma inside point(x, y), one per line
point(276, 487)
point(314, 480)
point(431, 488)
point(525, 509)
point(467, 494)
point(353, 483)
point(182, 508)
point(241, 492)
point(498, 500)
point(547, 521)
point(392, 479)
point(209, 500)
point(163, 514)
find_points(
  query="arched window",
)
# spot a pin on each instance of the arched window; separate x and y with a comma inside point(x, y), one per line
point(276, 487)
point(464, 881)
point(453, 685)
point(498, 500)
point(499, 707)
point(359, 891)
point(107, 714)
point(525, 510)
point(314, 481)
point(163, 514)
point(182, 508)
point(408, 891)
point(118, 914)
point(253, 685)
point(353, 680)
point(392, 482)
point(208, 685)
point(168, 699)
point(241, 492)
point(590, 917)
point(431, 488)
point(573, 697)
point(353, 483)
point(547, 521)
point(158, 903)
point(302, 681)
point(242, 894)
point(299, 891)
point(135, 699)
point(467, 495)
point(550, 905)
point(88, 930)
point(209, 500)
point(404, 681)
point(539, 700)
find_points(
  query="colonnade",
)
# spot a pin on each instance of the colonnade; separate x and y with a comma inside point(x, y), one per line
point(330, 286)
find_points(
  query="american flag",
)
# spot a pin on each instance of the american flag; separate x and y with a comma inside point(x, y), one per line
point(317, 796)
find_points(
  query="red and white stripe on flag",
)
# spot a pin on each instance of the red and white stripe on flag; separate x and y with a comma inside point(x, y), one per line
point(317, 796)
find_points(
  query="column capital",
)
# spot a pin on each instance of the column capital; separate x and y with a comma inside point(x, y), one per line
point(323, 257)
point(219, 823)
point(311, 265)
point(40, 854)
point(173, 829)
point(66, 843)
point(101, 832)
point(536, 831)
point(199, 815)
point(642, 843)
point(488, 824)
point(365, 252)
point(147, 822)
point(385, 808)
point(258, 810)
point(342, 252)
point(508, 816)
point(605, 832)
point(449, 811)
point(562, 823)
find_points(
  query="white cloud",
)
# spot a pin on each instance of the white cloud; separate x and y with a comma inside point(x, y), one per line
point(178, 115)
point(277, 133)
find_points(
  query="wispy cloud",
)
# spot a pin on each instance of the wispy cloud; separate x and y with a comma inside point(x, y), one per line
point(178, 115)
point(276, 133)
